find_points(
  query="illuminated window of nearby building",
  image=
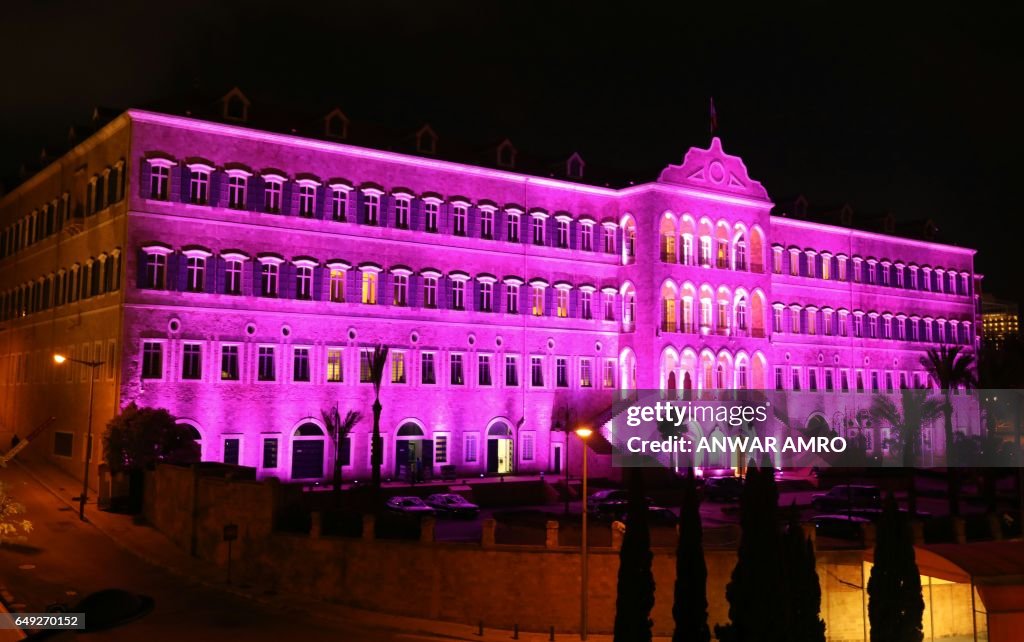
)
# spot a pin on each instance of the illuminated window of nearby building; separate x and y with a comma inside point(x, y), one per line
point(337, 284)
point(537, 372)
point(272, 194)
point(365, 363)
point(484, 369)
point(369, 292)
point(428, 373)
point(229, 367)
point(191, 361)
point(608, 378)
point(527, 442)
point(511, 370)
point(537, 300)
point(402, 207)
point(300, 364)
point(586, 373)
point(397, 367)
point(562, 372)
point(430, 213)
point(152, 360)
point(400, 287)
point(307, 200)
point(563, 302)
point(265, 366)
point(335, 370)
point(455, 369)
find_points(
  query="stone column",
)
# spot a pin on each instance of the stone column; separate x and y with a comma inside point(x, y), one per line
point(369, 528)
point(427, 525)
point(551, 540)
point(487, 536)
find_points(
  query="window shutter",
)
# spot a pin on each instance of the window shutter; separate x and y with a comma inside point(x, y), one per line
point(145, 172)
point(385, 294)
point(445, 299)
point(574, 296)
point(387, 211)
point(574, 230)
point(216, 183)
point(472, 215)
point(353, 286)
point(180, 271)
point(549, 302)
point(179, 183)
point(444, 214)
point(286, 281)
point(525, 299)
point(498, 228)
point(321, 212)
point(317, 291)
point(415, 215)
point(289, 199)
point(358, 202)
point(254, 193)
point(415, 284)
point(140, 279)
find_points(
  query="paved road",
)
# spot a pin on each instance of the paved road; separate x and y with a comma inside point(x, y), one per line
point(65, 559)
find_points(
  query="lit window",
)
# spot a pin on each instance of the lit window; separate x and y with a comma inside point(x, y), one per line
point(334, 365)
point(365, 361)
point(369, 287)
point(563, 303)
point(608, 379)
point(337, 280)
point(586, 373)
point(538, 301)
point(397, 367)
point(400, 289)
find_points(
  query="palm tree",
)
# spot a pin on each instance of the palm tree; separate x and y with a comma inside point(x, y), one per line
point(918, 409)
point(950, 368)
point(375, 364)
point(339, 430)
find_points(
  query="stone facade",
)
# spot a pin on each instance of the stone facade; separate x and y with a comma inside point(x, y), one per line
point(258, 267)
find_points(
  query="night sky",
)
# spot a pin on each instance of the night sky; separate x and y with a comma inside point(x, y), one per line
point(916, 113)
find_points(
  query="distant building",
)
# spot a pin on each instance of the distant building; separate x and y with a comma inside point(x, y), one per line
point(1000, 320)
point(239, 277)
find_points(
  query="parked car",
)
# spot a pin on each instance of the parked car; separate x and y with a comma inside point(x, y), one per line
point(610, 503)
point(846, 496)
point(406, 505)
point(723, 489)
point(453, 505)
point(840, 526)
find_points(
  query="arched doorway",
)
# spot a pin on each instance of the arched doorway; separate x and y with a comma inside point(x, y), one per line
point(193, 430)
point(413, 452)
point(308, 451)
point(500, 450)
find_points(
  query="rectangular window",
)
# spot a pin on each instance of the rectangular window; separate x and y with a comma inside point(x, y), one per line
point(428, 374)
point(858, 325)
point(563, 303)
point(470, 447)
point(860, 381)
point(199, 186)
point(335, 372)
point(337, 280)
point(511, 370)
point(609, 240)
point(400, 283)
point(233, 277)
point(511, 298)
point(609, 307)
point(268, 279)
point(537, 230)
point(888, 382)
point(459, 217)
point(159, 178)
point(512, 227)
point(874, 381)
point(537, 372)
point(528, 442)
point(828, 380)
point(152, 360)
point(563, 234)
point(458, 295)
point(270, 452)
point(795, 379)
point(229, 363)
point(779, 385)
point(586, 373)
point(191, 361)
point(608, 378)
point(156, 272)
point(826, 267)
point(372, 209)
point(402, 207)
point(487, 224)
point(236, 191)
point(812, 379)
point(272, 196)
point(455, 369)
point(430, 291)
point(266, 371)
point(232, 446)
point(586, 299)
point(365, 361)
point(483, 369)
point(440, 448)
point(826, 317)
point(63, 443)
point(562, 372)
point(841, 262)
point(844, 378)
point(369, 288)
point(300, 364)
point(587, 238)
point(538, 301)
point(397, 367)
point(304, 282)
point(486, 296)
point(430, 213)
point(339, 204)
point(777, 320)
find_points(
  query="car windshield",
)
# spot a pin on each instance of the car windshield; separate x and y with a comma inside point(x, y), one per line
point(412, 501)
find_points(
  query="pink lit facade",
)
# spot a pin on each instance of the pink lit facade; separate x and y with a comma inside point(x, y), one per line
point(236, 278)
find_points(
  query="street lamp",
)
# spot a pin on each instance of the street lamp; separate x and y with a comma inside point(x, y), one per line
point(584, 434)
point(59, 359)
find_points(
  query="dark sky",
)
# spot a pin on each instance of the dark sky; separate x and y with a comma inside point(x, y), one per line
point(914, 110)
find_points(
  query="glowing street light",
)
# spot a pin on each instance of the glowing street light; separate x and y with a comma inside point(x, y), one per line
point(584, 433)
point(60, 359)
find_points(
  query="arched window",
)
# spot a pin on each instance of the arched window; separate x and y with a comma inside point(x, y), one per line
point(741, 375)
point(409, 429)
point(741, 255)
point(720, 377)
point(741, 314)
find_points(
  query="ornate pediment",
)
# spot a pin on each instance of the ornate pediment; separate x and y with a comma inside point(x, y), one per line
point(715, 170)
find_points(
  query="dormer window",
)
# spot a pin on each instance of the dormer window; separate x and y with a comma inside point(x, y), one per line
point(426, 140)
point(336, 124)
point(574, 166)
point(235, 106)
point(506, 154)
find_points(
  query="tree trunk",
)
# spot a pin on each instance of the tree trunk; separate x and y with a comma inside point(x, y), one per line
point(376, 448)
point(337, 468)
point(952, 474)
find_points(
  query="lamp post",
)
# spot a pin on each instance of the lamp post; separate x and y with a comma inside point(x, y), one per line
point(59, 359)
point(583, 434)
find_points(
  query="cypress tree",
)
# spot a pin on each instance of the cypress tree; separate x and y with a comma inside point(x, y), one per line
point(635, 589)
point(895, 603)
point(803, 615)
point(756, 590)
point(690, 606)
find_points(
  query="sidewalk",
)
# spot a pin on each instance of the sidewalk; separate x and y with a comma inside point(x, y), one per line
point(153, 547)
